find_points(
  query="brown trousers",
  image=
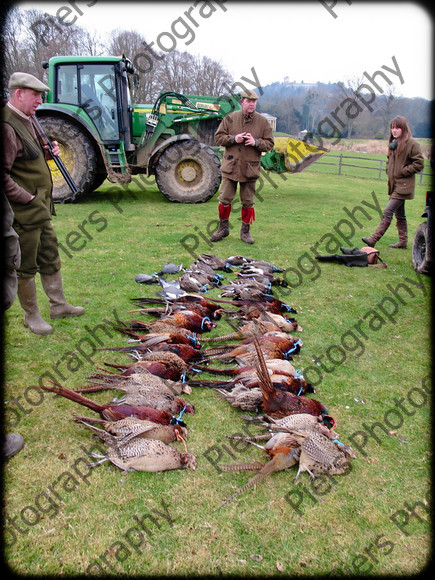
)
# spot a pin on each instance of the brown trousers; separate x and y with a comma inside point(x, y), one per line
point(229, 189)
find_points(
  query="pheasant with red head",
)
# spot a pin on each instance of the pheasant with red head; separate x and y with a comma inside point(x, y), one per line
point(277, 403)
point(115, 412)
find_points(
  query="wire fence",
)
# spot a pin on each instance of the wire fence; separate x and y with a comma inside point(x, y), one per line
point(366, 164)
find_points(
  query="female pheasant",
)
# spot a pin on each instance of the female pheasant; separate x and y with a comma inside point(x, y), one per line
point(130, 427)
point(145, 455)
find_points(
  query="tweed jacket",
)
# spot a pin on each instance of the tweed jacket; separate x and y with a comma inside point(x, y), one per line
point(401, 170)
point(243, 162)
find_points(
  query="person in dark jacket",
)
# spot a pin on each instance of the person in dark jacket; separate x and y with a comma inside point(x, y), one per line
point(11, 442)
point(405, 159)
point(26, 181)
point(245, 134)
point(11, 255)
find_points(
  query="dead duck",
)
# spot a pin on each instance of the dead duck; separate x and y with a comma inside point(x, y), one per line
point(215, 262)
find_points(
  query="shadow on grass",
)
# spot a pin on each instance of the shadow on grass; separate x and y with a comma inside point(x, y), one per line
point(134, 192)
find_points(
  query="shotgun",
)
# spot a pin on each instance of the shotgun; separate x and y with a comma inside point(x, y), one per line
point(45, 141)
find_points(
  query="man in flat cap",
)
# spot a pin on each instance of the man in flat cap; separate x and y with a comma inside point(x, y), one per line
point(245, 134)
point(27, 183)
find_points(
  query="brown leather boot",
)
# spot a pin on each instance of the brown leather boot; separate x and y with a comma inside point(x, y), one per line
point(248, 216)
point(377, 235)
point(224, 225)
point(32, 317)
point(222, 232)
point(245, 236)
point(402, 228)
point(59, 307)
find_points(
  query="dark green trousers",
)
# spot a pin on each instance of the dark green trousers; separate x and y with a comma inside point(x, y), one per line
point(39, 249)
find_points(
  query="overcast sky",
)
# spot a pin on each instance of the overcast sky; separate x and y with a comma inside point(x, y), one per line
point(303, 41)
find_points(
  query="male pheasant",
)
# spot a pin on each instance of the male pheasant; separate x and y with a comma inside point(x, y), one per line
point(115, 412)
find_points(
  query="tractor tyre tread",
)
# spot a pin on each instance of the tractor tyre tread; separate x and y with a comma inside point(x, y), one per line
point(166, 172)
point(421, 250)
point(83, 168)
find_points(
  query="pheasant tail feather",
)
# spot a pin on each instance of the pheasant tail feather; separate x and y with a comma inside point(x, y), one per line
point(264, 379)
point(241, 466)
point(264, 471)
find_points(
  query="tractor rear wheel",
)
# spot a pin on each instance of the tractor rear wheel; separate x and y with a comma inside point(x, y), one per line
point(78, 156)
point(421, 250)
point(188, 172)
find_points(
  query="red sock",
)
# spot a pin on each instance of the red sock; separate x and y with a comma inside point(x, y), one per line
point(224, 211)
point(248, 215)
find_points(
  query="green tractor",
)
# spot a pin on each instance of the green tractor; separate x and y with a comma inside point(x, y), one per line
point(102, 135)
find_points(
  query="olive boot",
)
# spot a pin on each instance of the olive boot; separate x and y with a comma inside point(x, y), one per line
point(32, 317)
point(59, 307)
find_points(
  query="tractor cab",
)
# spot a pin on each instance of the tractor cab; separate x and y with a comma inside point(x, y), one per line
point(100, 89)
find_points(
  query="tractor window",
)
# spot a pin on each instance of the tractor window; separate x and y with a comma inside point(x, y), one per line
point(67, 85)
point(98, 98)
point(91, 86)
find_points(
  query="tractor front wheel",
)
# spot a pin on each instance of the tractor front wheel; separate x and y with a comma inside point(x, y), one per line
point(188, 172)
point(78, 156)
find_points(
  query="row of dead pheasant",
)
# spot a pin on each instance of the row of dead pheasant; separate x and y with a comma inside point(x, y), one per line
point(168, 351)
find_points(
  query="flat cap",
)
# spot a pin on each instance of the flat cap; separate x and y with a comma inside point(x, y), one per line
point(248, 94)
point(20, 80)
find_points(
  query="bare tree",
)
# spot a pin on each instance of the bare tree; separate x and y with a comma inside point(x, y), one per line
point(12, 24)
point(387, 105)
point(349, 107)
point(289, 117)
point(172, 71)
point(176, 72)
point(209, 77)
point(91, 44)
point(147, 63)
point(32, 36)
point(313, 108)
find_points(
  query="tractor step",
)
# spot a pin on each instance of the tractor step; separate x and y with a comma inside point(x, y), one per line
point(115, 155)
point(117, 166)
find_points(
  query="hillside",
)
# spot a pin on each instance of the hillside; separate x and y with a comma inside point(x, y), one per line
point(303, 106)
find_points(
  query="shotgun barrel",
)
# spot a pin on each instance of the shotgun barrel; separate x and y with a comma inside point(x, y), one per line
point(58, 161)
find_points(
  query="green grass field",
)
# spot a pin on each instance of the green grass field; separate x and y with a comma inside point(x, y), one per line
point(366, 334)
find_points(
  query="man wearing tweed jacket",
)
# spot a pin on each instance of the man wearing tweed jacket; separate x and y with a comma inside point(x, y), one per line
point(245, 134)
